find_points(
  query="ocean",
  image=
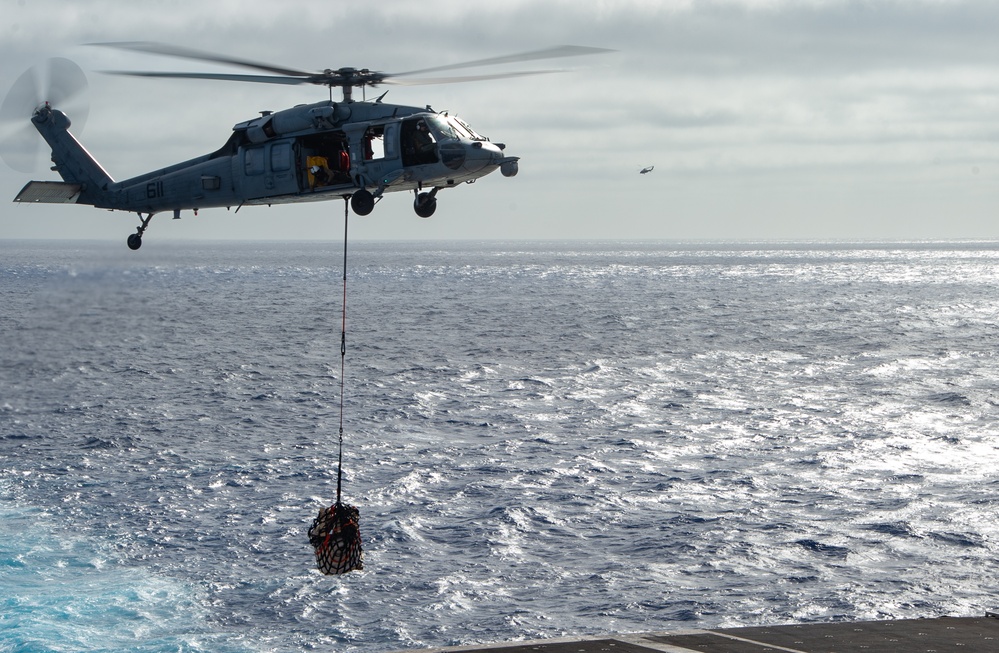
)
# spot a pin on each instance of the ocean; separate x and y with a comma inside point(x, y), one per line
point(543, 439)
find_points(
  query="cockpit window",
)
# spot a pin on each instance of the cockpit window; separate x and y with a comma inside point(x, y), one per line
point(453, 127)
point(442, 128)
point(460, 128)
point(463, 126)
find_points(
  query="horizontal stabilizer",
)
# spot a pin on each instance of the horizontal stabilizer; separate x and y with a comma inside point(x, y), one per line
point(49, 192)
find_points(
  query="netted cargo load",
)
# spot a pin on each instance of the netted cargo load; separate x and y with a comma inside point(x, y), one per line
point(336, 537)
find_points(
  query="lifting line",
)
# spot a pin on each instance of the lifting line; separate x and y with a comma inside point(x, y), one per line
point(334, 534)
point(343, 351)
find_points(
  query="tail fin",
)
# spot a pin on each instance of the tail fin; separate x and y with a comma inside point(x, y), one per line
point(72, 161)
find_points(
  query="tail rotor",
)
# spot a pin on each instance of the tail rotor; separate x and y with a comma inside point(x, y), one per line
point(58, 82)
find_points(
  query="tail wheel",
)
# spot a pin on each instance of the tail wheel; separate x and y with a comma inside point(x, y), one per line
point(135, 240)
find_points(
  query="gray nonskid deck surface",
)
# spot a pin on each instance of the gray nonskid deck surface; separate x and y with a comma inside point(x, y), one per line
point(939, 635)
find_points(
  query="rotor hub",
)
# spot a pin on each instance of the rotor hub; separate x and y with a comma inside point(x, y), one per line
point(347, 78)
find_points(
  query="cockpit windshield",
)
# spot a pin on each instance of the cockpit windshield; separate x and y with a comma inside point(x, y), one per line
point(442, 128)
point(453, 127)
point(462, 125)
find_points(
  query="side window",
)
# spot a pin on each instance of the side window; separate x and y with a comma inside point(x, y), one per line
point(374, 142)
point(281, 157)
point(253, 161)
point(392, 141)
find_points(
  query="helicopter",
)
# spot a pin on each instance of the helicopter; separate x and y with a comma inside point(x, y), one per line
point(357, 150)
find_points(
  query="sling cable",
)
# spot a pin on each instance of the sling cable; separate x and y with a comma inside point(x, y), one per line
point(335, 534)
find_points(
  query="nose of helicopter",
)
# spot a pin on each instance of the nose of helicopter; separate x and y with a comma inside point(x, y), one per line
point(474, 159)
point(480, 155)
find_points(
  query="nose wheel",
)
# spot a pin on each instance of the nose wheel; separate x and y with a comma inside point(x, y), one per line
point(135, 240)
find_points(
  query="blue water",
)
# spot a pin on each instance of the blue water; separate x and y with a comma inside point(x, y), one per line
point(543, 439)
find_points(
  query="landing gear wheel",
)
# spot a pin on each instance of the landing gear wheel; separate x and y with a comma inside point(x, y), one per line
point(425, 205)
point(135, 240)
point(362, 201)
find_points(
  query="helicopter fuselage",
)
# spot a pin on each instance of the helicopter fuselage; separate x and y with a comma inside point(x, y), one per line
point(311, 152)
point(352, 150)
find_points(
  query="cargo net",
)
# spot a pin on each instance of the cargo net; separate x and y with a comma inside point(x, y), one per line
point(337, 539)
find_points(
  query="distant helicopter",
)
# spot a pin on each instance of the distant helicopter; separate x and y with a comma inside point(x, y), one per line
point(348, 149)
point(646, 170)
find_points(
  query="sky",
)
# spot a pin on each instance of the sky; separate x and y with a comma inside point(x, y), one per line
point(766, 120)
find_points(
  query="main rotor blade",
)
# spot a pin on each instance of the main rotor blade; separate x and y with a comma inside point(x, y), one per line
point(344, 77)
point(151, 47)
point(547, 53)
point(260, 79)
point(425, 81)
